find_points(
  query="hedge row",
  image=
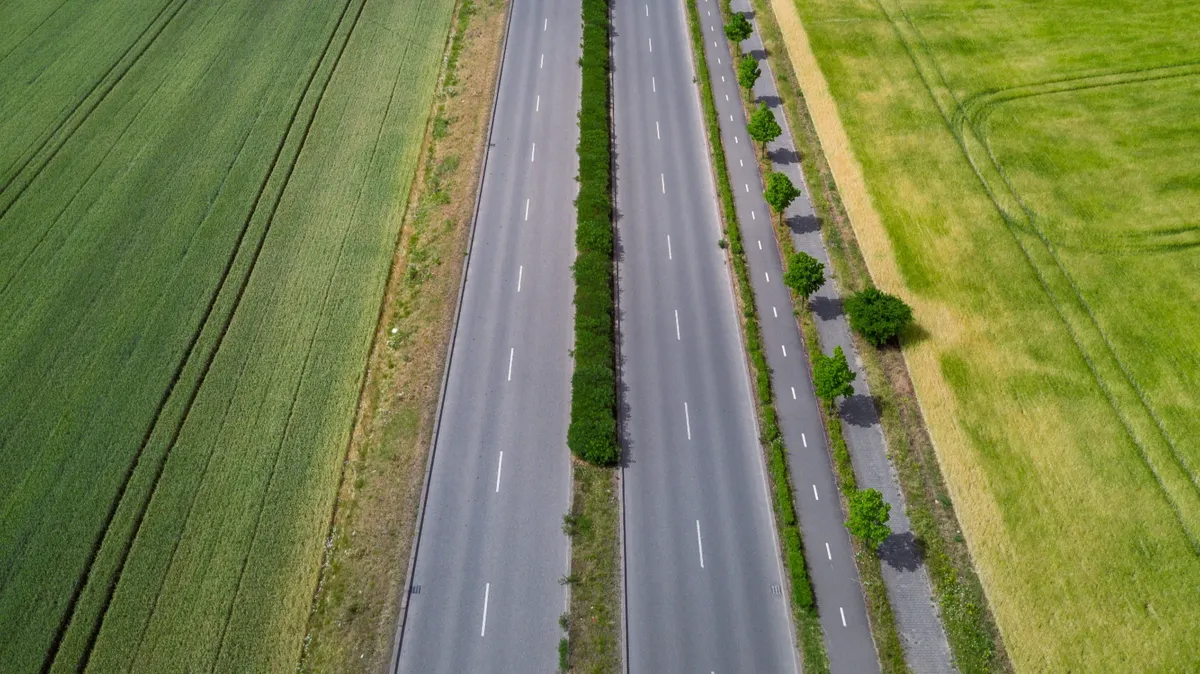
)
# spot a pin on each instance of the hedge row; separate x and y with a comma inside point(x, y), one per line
point(803, 603)
point(592, 435)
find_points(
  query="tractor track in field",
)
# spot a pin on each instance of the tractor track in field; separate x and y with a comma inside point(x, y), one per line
point(71, 122)
point(52, 652)
point(1080, 321)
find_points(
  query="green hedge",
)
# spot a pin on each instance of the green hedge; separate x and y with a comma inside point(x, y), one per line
point(592, 435)
point(803, 604)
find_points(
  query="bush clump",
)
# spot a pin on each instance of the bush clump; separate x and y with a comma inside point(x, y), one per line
point(877, 316)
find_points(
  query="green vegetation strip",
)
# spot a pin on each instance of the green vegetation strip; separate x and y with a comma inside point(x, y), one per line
point(593, 624)
point(968, 623)
point(803, 604)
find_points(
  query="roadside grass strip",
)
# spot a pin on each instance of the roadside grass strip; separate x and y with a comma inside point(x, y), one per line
point(970, 628)
point(802, 598)
point(191, 263)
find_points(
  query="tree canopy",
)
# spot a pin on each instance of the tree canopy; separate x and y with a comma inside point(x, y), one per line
point(869, 515)
point(804, 274)
point(762, 126)
point(780, 192)
point(877, 316)
point(832, 376)
point(748, 72)
point(738, 28)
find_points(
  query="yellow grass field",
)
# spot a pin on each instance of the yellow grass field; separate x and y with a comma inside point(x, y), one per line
point(1026, 176)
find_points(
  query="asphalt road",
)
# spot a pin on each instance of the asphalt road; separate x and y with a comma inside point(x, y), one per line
point(486, 596)
point(702, 575)
point(827, 545)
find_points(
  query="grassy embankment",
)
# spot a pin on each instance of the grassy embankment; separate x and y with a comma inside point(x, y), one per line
point(354, 610)
point(1027, 191)
point(594, 620)
point(191, 260)
point(804, 610)
point(879, 609)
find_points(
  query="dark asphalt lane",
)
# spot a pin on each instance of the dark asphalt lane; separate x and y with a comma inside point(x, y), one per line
point(703, 577)
point(491, 548)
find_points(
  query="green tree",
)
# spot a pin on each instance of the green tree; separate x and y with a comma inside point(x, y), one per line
point(877, 316)
point(762, 126)
point(780, 193)
point(804, 274)
point(832, 376)
point(748, 72)
point(869, 515)
point(738, 28)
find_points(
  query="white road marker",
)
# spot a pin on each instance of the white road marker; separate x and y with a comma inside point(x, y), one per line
point(719, 63)
point(747, 186)
point(677, 326)
point(533, 153)
point(784, 350)
point(527, 210)
point(510, 358)
point(731, 118)
point(711, 28)
point(735, 140)
point(843, 612)
point(768, 275)
point(753, 216)
point(669, 257)
point(542, 63)
point(805, 441)
point(663, 178)
point(775, 312)
point(741, 162)
point(653, 86)
point(545, 24)
point(487, 588)
point(760, 244)
point(726, 95)
point(793, 392)
point(700, 543)
point(538, 105)
point(657, 131)
point(815, 493)
point(651, 43)
point(647, 10)
point(688, 419)
point(722, 78)
point(828, 553)
point(520, 273)
point(714, 44)
point(499, 467)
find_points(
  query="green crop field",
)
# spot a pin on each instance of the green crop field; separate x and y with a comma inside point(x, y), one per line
point(199, 203)
point(1029, 175)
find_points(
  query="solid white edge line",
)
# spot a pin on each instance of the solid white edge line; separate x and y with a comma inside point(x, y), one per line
point(700, 543)
point(687, 419)
point(487, 588)
point(500, 467)
point(510, 359)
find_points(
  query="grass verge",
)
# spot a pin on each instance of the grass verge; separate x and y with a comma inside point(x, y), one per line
point(593, 624)
point(802, 599)
point(354, 609)
point(970, 627)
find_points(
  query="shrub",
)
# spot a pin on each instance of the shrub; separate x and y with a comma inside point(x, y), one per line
point(877, 316)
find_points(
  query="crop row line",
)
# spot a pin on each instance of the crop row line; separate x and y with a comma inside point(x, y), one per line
point(219, 287)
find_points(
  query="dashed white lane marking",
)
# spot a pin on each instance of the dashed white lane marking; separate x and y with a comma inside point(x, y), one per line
point(747, 187)
point(722, 78)
point(726, 95)
point(487, 588)
point(545, 24)
point(784, 350)
point(657, 131)
point(793, 393)
point(711, 28)
point(510, 359)
point(700, 543)
point(741, 162)
point(714, 44)
point(719, 63)
point(527, 210)
point(688, 419)
point(663, 177)
point(731, 118)
point(542, 63)
point(533, 153)
point(815, 493)
point(843, 612)
point(775, 312)
point(760, 244)
point(669, 256)
point(520, 273)
point(677, 337)
point(768, 275)
point(651, 43)
point(538, 105)
point(828, 553)
point(499, 467)
point(647, 10)
point(653, 86)
point(753, 216)
point(805, 441)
